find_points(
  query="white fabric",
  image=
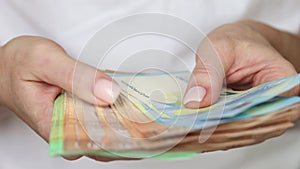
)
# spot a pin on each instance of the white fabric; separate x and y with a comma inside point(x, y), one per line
point(73, 23)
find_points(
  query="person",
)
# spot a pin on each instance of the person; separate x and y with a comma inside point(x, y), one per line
point(35, 69)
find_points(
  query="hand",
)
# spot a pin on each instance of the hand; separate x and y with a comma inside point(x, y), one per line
point(243, 54)
point(34, 71)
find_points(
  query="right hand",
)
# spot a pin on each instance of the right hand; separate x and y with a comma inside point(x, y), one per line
point(34, 71)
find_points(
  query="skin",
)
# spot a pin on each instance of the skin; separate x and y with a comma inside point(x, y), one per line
point(248, 53)
point(29, 83)
point(251, 53)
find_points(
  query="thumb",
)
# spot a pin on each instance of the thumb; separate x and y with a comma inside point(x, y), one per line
point(206, 79)
point(81, 79)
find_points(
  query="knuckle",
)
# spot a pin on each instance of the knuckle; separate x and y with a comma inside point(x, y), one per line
point(41, 47)
point(206, 68)
point(31, 50)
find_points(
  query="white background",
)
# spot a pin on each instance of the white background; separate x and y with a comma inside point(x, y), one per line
point(72, 23)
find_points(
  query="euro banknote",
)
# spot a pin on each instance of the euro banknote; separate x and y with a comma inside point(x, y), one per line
point(165, 105)
point(149, 120)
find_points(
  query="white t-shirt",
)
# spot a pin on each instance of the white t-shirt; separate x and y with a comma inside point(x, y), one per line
point(73, 23)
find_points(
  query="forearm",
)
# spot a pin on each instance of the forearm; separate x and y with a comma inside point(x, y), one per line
point(287, 44)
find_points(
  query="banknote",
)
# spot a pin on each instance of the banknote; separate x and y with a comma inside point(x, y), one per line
point(145, 120)
point(165, 104)
point(82, 129)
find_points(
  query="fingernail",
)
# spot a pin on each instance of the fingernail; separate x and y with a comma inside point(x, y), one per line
point(107, 90)
point(194, 94)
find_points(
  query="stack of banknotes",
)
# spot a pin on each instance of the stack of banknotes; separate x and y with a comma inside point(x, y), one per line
point(149, 120)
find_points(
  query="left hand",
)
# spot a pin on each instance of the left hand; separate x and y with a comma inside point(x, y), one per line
point(243, 54)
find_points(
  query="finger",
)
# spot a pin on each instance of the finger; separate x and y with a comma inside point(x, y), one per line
point(270, 74)
point(109, 159)
point(207, 78)
point(71, 158)
point(81, 79)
